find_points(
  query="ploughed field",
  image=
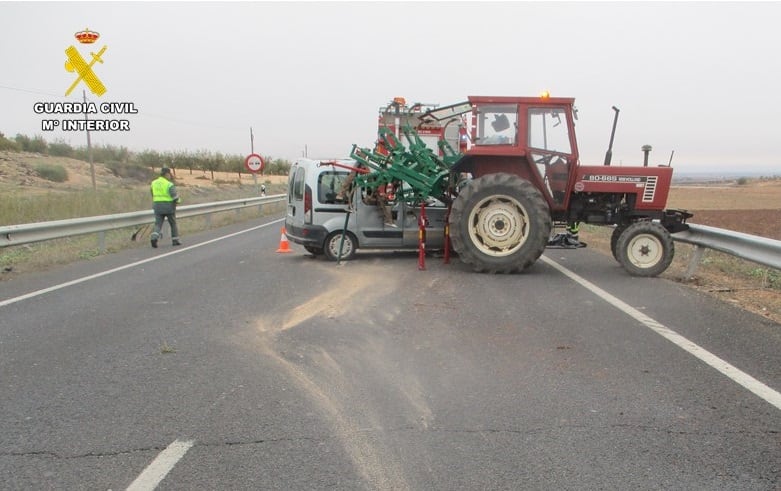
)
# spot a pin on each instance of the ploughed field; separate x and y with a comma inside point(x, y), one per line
point(752, 208)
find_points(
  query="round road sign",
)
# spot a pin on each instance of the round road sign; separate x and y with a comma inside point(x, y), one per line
point(254, 162)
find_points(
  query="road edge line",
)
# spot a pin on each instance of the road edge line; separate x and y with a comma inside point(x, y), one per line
point(42, 291)
point(733, 373)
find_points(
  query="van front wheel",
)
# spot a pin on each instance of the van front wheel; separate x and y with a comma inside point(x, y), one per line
point(334, 241)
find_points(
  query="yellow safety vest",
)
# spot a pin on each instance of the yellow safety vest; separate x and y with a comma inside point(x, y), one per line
point(160, 187)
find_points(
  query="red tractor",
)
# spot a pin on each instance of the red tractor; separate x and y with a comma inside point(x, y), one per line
point(519, 175)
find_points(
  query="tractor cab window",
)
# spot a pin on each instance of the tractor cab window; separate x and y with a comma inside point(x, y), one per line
point(550, 149)
point(497, 124)
point(548, 130)
point(329, 184)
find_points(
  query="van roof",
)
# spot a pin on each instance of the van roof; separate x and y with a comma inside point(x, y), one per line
point(308, 161)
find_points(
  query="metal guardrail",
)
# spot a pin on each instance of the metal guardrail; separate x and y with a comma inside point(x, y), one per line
point(760, 250)
point(12, 235)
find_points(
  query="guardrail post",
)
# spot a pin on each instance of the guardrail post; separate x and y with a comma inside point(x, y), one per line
point(102, 242)
point(694, 262)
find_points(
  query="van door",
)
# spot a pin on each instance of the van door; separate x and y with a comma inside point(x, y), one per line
point(374, 232)
point(295, 196)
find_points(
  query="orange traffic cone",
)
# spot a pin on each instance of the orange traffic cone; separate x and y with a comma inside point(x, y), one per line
point(284, 245)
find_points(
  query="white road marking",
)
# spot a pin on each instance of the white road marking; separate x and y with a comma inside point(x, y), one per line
point(160, 467)
point(709, 358)
point(36, 293)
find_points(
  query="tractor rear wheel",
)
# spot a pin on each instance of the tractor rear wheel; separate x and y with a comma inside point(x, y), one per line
point(499, 223)
point(645, 249)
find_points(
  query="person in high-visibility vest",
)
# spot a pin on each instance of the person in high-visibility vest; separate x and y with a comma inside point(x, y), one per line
point(164, 201)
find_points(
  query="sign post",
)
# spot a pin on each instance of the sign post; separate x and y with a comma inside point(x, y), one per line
point(254, 163)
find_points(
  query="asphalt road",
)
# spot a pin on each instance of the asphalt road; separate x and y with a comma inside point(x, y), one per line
point(226, 365)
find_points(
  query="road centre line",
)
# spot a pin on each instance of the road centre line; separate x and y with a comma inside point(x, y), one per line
point(37, 293)
point(161, 466)
point(732, 372)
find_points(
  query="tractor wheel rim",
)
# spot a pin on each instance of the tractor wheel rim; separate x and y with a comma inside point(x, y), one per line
point(645, 251)
point(498, 225)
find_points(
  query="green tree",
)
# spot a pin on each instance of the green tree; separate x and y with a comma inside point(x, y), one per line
point(214, 162)
point(235, 163)
point(148, 158)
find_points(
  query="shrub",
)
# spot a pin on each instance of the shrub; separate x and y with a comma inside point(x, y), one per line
point(36, 144)
point(60, 149)
point(6, 144)
point(54, 173)
point(130, 171)
point(742, 181)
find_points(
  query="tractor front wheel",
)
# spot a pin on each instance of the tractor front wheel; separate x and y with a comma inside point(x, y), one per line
point(614, 239)
point(499, 223)
point(645, 249)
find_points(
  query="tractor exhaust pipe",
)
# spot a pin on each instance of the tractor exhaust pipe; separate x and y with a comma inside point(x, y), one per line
point(646, 150)
point(609, 154)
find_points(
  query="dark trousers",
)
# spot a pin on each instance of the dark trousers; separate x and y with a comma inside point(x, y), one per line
point(165, 210)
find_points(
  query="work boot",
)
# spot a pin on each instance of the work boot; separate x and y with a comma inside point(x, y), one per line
point(154, 243)
point(176, 243)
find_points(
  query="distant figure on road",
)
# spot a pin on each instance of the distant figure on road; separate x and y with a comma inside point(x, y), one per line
point(262, 189)
point(164, 201)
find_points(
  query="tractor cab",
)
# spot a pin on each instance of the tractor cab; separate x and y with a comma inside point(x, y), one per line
point(503, 130)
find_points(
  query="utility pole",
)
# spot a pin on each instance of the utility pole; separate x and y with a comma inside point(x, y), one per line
point(89, 144)
point(252, 150)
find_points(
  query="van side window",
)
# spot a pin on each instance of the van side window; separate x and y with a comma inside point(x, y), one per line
point(298, 184)
point(290, 182)
point(329, 184)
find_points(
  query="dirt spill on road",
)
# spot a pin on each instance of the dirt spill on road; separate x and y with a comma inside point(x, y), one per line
point(352, 291)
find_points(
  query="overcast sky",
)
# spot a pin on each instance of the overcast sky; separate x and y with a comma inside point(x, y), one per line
point(701, 79)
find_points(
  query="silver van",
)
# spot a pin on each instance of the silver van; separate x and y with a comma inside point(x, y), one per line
point(316, 216)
